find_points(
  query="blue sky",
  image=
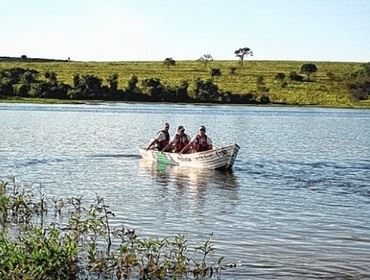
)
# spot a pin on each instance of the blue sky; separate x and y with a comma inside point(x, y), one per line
point(315, 30)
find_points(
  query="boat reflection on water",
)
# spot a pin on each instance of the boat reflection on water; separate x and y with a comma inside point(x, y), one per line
point(188, 177)
point(191, 191)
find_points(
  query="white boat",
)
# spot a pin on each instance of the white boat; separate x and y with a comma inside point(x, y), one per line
point(220, 158)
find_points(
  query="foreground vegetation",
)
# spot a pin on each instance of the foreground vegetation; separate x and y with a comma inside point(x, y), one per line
point(49, 238)
point(281, 82)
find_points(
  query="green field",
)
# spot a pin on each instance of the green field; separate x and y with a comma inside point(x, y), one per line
point(322, 91)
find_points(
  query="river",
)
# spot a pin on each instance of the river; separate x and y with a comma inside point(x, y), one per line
point(297, 204)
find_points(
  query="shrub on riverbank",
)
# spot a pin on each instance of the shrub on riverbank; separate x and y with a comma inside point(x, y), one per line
point(358, 83)
point(49, 238)
point(24, 83)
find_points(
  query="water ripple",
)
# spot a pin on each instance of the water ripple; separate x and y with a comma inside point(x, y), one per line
point(295, 206)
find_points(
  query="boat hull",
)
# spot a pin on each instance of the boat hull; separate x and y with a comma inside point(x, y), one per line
point(221, 158)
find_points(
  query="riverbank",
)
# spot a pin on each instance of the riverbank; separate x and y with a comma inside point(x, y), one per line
point(30, 100)
point(325, 88)
point(18, 99)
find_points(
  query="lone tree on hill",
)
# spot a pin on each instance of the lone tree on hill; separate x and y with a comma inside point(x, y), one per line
point(308, 69)
point(169, 61)
point(205, 59)
point(243, 52)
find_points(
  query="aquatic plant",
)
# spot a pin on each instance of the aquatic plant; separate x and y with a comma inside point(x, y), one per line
point(62, 238)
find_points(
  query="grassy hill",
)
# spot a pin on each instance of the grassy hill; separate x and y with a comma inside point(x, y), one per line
point(326, 89)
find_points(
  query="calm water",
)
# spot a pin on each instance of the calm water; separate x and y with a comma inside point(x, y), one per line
point(296, 206)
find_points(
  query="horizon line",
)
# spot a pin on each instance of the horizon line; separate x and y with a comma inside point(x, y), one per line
point(181, 60)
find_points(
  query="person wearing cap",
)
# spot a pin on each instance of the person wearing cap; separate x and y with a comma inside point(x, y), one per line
point(161, 140)
point(201, 142)
point(178, 141)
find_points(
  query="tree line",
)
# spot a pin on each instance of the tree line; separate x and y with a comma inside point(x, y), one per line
point(27, 83)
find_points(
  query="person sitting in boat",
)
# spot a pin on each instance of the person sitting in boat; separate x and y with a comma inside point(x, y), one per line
point(201, 142)
point(161, 140)
point(178, 141)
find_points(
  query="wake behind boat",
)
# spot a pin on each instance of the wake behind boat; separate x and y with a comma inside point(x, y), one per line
point(220, 158)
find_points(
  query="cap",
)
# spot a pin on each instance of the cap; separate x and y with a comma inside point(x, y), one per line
point(180, 128)
point(202, 127)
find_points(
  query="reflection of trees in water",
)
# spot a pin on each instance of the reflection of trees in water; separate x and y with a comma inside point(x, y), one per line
point(193, 183)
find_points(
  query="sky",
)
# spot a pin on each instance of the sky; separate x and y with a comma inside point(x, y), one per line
point(137, 30)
